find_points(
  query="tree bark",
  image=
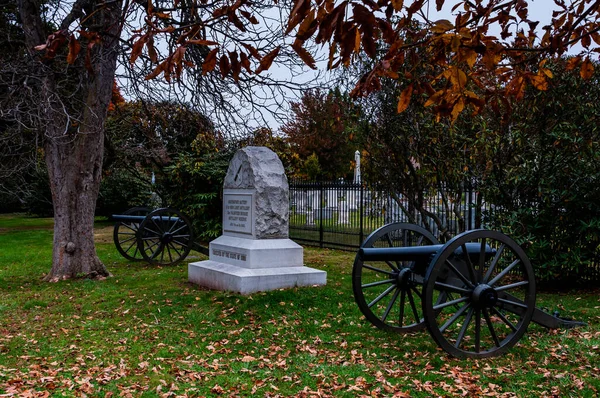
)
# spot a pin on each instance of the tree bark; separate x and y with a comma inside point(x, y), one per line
point(73, 121)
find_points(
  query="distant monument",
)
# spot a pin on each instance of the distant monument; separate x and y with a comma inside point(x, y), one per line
point(254, 253)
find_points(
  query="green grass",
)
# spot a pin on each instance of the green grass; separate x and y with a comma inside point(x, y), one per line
point(146, 332)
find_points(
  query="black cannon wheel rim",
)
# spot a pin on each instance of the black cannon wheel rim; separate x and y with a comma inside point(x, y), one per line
point(489, 299)
point(125, 234)
point(388, 301)
point(165, 237)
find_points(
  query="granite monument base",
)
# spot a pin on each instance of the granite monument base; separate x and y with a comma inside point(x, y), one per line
point(248, 265)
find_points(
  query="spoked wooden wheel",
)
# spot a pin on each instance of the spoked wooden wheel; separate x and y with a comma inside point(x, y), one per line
point(388, 293)
point(489, 290)
point(125, 233)
point(165, 237)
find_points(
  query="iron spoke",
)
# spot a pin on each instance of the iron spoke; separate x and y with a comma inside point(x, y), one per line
point(413, 306)
point(455, 317)
point(460, 276)
point(131, 245)
point(130, 227)
point(377, 270)
point(390, 305)
point(128, 239)
point(146, 229)
point(174, 248)
point(402, 303)
point(491, 327)
point(469, 263)
point(378, 283)
point(178, 229)
point(392, 266)
point(453, 288)
point(477, 330)
point(504, 272)
point(450, 303)
point(382, 295)
point(464, 327)
point(481, 260)
point(512, 286)
point(492, 267)
point(183, 244)
point(158, 226)
point(515, 303)
point(506, 321)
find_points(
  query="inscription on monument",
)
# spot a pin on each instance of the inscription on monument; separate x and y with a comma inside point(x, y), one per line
point(237, 213)
point(228, 254)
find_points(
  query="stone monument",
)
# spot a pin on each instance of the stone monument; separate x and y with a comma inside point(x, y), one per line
point(255, 252)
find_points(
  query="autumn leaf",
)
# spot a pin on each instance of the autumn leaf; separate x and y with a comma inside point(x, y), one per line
point(202, 42)
point(267, 60)
point(137, 48)
point(404, 99)
point(539, 81)
point(74, 48)
point(457, 108)
point(151, 50)
point(572, 63)
point(224, 65)
point(398, 4)
point(587, 69)
point(210, 62)
point(442, 26)
point(303, 54)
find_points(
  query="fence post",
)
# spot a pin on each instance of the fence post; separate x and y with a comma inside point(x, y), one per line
point(360, 215)
point(321, 190)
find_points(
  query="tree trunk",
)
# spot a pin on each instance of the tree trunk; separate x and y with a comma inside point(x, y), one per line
point(72, 107)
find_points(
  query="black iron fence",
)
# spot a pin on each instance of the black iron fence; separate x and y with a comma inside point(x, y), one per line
point(341, 214)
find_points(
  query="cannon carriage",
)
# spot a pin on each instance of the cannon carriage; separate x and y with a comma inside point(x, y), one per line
point(161, 237)
point(475, 294)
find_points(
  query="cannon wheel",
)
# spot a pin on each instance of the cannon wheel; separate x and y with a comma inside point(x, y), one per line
point(489, 298)
point(124, 234)
point(389, 293)
point(165, 237)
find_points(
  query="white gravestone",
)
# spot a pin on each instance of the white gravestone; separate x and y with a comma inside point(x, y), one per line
point(254, 253)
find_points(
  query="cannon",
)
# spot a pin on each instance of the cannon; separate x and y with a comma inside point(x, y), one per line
point(162, 236)
point(475, 294)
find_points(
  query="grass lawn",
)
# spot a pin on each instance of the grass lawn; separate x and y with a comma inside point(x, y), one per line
point(147, 332)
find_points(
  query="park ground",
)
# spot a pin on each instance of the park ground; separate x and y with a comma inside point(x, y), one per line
point(146, 331)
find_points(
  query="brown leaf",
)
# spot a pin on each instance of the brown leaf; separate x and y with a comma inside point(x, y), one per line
point(398, 4)
point(404, 99)
point(307, 27)
point(74, 48)
point(253, 51)
point(224, 65)
point(539, 81)
point(245, 62)
point(299, 12)
point(210, 62)
point(267, 60)
point(202, 42)
point(156, 71)
point(137, 48)
point(249, 17)
point(442, 26)
point(236, 68)
point(303, 54)
point(151, 50)
point(587, 69)
point(573, 62)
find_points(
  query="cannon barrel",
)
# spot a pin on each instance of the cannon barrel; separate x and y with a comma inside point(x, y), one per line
point(125, 217)
point(415, 253)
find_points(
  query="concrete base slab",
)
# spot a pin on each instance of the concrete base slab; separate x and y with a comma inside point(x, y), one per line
point(256, 253)
point(221, 276)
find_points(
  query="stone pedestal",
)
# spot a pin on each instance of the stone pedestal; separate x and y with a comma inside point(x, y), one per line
point(254, 253)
